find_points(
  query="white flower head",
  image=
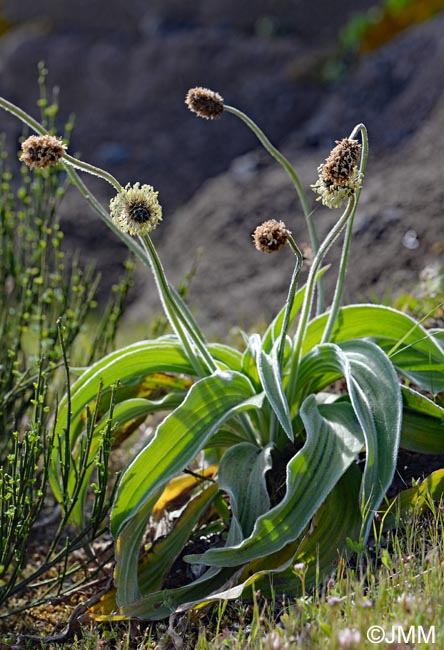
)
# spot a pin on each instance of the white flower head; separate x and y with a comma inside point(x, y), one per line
point(136, 209)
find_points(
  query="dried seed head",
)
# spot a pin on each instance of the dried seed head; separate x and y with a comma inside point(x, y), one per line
point(40, 151)
point(205, 103)
point(342, 162)
point(136, 209)
point(270, 236)
point(339, 177)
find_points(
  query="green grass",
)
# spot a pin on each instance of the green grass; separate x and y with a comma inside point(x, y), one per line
point(399, 582)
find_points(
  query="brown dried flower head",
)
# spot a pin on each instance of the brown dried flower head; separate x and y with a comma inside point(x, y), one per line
point(342, 161)
point(205, 103)
point(339, 177)
point(270, 236)
point(40, 151)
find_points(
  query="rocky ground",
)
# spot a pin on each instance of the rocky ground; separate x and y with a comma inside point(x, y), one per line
point(125, 75)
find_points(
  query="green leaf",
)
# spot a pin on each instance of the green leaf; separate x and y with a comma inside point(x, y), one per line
point(333, 442)
point(376, 399)
point(209, 403)
point(338, 517)
point(375, 419)
point(228, 356)
point(127, 553)
point(422, 423)
point(249, 360)
point(414, 500)
point(375, 395)
point(438, 335)
point(271, 380)
point(414, 401)
point(242, 473)
point(413, 351)
point(128, 366)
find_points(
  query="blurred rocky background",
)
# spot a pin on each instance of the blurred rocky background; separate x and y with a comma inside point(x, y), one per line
point(306, 72)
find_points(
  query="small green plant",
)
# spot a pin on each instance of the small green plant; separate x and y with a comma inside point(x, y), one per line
point(263, 464)
point(46, 299)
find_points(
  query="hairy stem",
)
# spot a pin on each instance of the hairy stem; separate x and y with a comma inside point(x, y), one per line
point(347, 239)
point(290, 299)
point(285, 163)
point(309, 295)
point(91, 169)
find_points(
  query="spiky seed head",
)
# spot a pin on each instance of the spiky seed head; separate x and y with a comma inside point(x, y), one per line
point(40, 151)
point(342, 161)
point(271, 236)
point(339, 177)
point(136, 209)
point(205, 103)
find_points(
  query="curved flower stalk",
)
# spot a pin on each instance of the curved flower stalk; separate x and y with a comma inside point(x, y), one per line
point(360, 128)
point(340, 179)
point(309, 295)
point(270, 237)
point(210, 105)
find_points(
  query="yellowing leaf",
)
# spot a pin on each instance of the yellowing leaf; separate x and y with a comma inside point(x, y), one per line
point(179, 488)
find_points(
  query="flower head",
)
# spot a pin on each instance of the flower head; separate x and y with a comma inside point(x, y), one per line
point(270, 236)
point(205, 103)
point(40, 151)
point(136, 209)
point(339, 176)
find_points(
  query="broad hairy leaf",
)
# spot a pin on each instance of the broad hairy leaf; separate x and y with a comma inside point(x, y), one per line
point(242, 473)
point(415, 352)
point(438, 335)
point(127, 552)
point(249, 360)
point(373, 420)
point(209, 403)
point(375, 396)
point(271, 380)
point(127, 573)
point(157, 561)
point(338, 517)
point(333, 442)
